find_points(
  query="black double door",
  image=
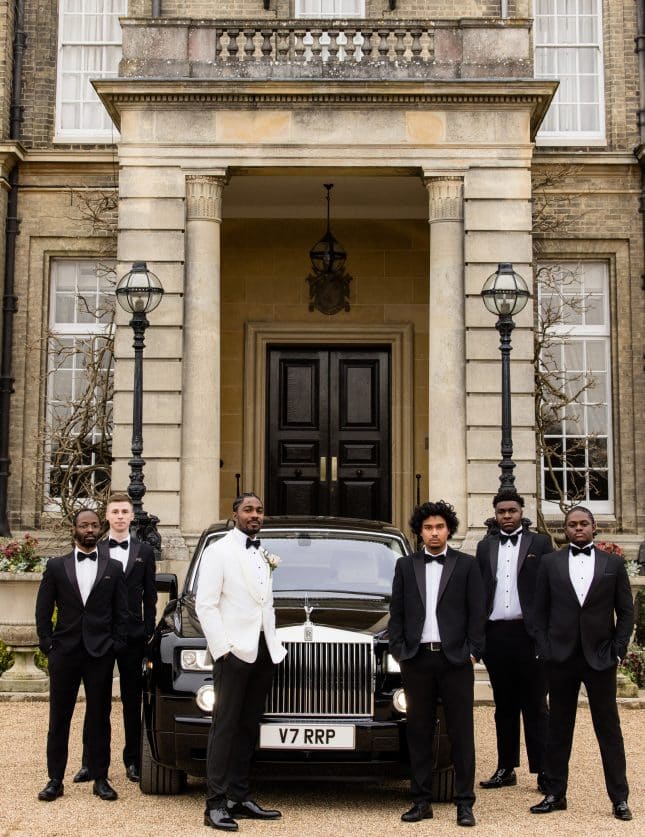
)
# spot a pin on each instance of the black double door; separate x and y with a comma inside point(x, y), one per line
point(328, 432)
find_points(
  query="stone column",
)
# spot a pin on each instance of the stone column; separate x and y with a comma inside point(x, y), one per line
point(446, 347)
point(200, 430)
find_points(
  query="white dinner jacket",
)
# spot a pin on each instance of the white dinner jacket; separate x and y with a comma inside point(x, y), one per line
point(231, 606)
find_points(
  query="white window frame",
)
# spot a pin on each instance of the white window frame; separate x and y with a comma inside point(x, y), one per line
point(576, 48)
point(82, 46)
point(60, 329)
point(329, 9)
point(572, 333)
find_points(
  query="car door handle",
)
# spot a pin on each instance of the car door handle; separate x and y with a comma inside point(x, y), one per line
point(323, 469)
point(334, 469)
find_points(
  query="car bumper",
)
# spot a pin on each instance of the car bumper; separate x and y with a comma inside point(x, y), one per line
point(180, 739)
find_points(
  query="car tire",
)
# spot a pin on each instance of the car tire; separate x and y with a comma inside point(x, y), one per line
point(443, 784)
point(155, 778)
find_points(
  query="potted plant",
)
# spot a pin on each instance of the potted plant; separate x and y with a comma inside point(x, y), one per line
point(20, 574)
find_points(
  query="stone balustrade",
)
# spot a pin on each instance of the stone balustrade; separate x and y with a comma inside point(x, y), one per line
point(174, 48)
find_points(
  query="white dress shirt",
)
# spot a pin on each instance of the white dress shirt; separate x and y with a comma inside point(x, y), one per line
point(430, 632)
point(581, 569)
point(256, 559)
point(85, 574)
point(117, 552)
point(506, 603)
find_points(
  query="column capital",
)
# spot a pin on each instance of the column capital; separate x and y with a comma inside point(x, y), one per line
point(446, 198)
point(204, 197)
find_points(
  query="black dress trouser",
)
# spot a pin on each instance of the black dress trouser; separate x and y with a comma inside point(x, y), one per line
point(564, 685)
point(66, 673)
point(519, 688)
point(428, 675)
point(241, 690)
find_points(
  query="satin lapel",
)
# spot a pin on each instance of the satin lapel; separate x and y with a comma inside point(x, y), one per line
point(448, 568)
point(101, 567)
point(562, 565)
point(493, 555)
point(69, 562)
point(600, 565)
point(419, 566)
point(525, 543)
point(248, 573)
point(133, 554)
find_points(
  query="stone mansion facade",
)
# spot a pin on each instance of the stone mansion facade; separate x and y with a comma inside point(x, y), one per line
point(198, 137)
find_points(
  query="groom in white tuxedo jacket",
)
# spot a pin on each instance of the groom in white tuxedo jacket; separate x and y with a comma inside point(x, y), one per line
point(234, 604)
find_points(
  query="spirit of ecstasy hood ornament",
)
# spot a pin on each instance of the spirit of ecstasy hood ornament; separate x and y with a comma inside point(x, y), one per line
point(308, 626)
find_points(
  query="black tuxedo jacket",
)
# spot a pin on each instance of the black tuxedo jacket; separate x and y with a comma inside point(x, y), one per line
point(602, 625)
point(460, 607)
point(99, 625)
point(532, 547)
point(140, 584)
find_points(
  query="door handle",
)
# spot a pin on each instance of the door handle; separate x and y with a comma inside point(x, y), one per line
point(334, 469)
point(323, 469)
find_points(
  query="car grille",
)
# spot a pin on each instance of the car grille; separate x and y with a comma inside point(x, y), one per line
point(324, 679)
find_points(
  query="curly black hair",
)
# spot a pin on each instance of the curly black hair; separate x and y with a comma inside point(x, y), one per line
point(438, 509)
point(511, 496)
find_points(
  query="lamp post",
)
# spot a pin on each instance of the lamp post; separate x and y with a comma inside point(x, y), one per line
point(138, 293)
point(505, 293)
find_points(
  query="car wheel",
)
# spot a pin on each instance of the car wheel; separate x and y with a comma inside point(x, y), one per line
point(443, 784)
point(155, 778)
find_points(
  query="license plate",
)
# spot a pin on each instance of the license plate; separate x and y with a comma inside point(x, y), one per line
point(307, 736)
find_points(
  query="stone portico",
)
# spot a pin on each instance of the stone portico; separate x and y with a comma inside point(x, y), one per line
point(435, 176)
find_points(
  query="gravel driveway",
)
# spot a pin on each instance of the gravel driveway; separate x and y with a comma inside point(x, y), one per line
point(328, 810)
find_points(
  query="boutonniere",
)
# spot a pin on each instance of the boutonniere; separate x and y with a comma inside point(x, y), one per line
point(272, 560)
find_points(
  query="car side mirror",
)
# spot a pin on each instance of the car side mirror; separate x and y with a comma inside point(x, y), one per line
point(167, 583)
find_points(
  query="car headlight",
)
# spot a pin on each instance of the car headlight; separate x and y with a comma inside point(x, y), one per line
point(205, 698)
point(196, 659)
point(391, 665)
point(399, 701)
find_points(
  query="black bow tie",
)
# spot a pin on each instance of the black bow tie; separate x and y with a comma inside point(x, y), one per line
point(81, 556)
point(122, 544)
point(250, 542)
point(438, 558)
point(576, 550)
point(506, 538)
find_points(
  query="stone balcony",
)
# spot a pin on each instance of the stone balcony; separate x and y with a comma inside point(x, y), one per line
point(307, 50)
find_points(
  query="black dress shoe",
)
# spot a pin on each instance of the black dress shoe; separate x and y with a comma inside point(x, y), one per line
point(541, 782)
point(251, 810)
point(52, 790)
point(419, 811)
point(622, 812)
point(220, 818)
point(503, 777)
point(465, 814)
point(132, 772)
point(550, 803)
point(83, 775)
point(104, 789)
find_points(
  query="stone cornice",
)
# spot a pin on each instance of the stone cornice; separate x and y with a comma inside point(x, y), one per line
point(10, 154)
point(120, 94)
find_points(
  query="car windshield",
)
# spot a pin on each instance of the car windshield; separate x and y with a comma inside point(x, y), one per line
point(330, 561)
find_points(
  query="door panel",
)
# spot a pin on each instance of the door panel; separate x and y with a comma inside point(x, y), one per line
point(328, 425)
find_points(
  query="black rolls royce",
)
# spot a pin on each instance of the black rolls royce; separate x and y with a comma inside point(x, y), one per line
point(336, 707)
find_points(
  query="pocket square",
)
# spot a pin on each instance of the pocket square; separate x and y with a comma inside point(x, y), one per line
point(530, 555)
point(138, 560)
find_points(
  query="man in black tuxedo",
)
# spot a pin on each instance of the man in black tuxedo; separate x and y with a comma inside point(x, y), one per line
point(89, 593)
point(509, 561)
point(584, 615)
point(436, 633)
point(138, 562)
